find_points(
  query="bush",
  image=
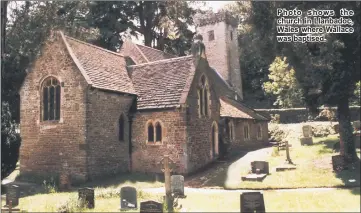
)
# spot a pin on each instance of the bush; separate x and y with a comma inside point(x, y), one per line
point(71, 205)
point(275, 118)
point(276, 134)
point(322, 131)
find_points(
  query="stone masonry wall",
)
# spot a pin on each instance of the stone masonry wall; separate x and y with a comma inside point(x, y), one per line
point(146, 156)
point(47, 145)
point(240, 143)
point(106, 154)
point(199, 141)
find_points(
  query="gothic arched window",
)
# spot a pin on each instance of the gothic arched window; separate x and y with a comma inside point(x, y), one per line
point(51, 99)
point(203, 96)
point(150, 132)
point(158, 132)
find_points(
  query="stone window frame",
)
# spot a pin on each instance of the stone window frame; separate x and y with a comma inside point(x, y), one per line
point(231, 130)
point(211, 36)
point(248, 132)
point(41, 95)
point(216, 142)
point(204, 110)
point(154, 124)
point(121, 134)
point(259, 131)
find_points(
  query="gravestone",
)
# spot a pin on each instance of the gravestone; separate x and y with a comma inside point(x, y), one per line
point(307, 131)
point(260, 167)
point(177, 185)
point(150, 206)
point(356, 125)
point(128, 197)
point(86, 197)
point(252, 202)
point(336, 127)
point(306, 141)
point(338, 163)
point(12, 194)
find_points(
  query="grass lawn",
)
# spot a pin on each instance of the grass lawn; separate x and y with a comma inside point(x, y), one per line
point(345, 200)
point(314, 169)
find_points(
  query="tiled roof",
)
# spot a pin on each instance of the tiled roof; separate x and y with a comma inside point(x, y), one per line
point(164, 83)
point(153, 54)
point(235, 109)
point(102, 68)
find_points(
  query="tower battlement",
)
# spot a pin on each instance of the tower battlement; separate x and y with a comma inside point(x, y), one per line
point(213, 18)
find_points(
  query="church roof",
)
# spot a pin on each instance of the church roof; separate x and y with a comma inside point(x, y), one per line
point(235, 109)
point(101, 68)
point(143, 54)
point(164, 83)
point(153, 54)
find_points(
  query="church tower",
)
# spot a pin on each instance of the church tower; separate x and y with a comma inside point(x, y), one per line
point(219, 32)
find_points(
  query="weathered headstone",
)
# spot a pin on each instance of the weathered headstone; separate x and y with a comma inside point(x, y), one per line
point(338, 163)
point(177, 185)
point(13, 195)
point(86, 197)
point(261, 166)
point(356, 125)
point(306, 141)
point(336, 127)
point(307, 131)
point(128, 198)
point(150, 206)
point(252, 202)
point(357, 138)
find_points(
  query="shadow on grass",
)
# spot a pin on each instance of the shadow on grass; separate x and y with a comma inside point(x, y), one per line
point(215, 174)
point(31, 184)
point(330, 145)
point(120, 179)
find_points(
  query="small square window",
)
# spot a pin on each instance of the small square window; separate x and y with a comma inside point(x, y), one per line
point(210, 35)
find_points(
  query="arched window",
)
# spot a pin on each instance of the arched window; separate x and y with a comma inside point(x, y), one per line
point(203, 95)
point(259, 131)
point(158, 132)
point(246, 132)
point(121, 128)
point(51, 99)
point(150, 132)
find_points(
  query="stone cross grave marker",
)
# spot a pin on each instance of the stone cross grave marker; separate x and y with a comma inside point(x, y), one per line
point(128, 198)
point(177, 186)
point(150, 206)
point(261, 167)
point(165, 162)
point(252, 202)
point(86, 197)
point(12, 194)
point(307, 131)
point(338, 163)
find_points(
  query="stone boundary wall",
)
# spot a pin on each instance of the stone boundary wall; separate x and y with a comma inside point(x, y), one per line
point(298, 115)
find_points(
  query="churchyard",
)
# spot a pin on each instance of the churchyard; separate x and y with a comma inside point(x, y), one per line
point(311, 185)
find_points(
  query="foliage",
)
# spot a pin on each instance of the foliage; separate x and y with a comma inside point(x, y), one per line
point(275, 118)
point(162, 24)
point(283, 84)
point(10, 142)
point(356, 99)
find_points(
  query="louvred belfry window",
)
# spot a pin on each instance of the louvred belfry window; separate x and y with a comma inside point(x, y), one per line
point(51, 99)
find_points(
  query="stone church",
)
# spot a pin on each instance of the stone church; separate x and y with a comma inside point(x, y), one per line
point(92, 112)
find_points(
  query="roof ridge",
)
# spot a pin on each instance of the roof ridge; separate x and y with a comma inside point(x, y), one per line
point(92, 45)
point(75, 59)
point(141, 52)
point(154, 49)
point(161, 61)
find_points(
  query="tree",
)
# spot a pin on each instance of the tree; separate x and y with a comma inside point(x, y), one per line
point(283, 84)
point(163, 25)
point(356, 95)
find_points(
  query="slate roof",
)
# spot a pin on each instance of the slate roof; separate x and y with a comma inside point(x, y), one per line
point(153, 54)
point(102, 68)
point(235, 109)
point(164, 83)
